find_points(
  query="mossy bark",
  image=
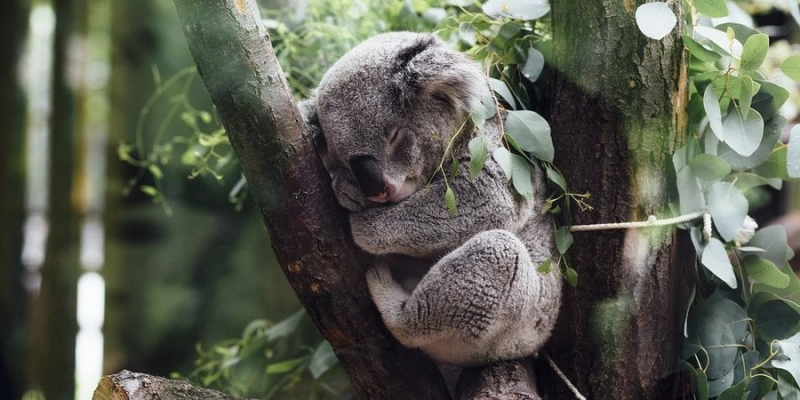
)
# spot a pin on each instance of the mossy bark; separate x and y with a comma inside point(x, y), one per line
point(619, 112)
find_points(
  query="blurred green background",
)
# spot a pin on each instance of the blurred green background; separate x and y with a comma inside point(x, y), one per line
point(127, 239)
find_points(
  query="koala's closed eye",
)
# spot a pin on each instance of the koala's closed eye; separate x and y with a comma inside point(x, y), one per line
point(397, 135)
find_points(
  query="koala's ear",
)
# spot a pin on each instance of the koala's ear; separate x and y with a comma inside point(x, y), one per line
point(428, 67)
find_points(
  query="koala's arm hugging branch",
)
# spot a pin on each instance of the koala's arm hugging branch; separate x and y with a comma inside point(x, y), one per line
point(292, 190)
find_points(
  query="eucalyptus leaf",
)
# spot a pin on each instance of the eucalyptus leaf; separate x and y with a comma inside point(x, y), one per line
point(712, 107)
point(769, 98)
point(774, 241)
point(775, 165)
point(534, 64)
point(450, 201)
point(772, 132)
point(793, 153)
point(790, 359)
point(775, 318)
point(501, 89)
point(700, 51)
point(689, 194)
point(712, 8)
point(655, 20)
point(746, 181)
point(746, 94)
point(285, 366)
point(286, 327)
point(728, 208)
point(719, 326)
point(467, 33)
point(709, 168)
point(564, 239)
point(791, 67)
point(556, 177)
point(787, 386)
point(730, 46)
point(519, 9)
point(503, 158)
point(531, 133)
point(754, 51)
point(572, 276)
point(477, 155)
point(323, 360)
point(716, 260)
point(765, 272)
point(743, 133)
point(521, 176)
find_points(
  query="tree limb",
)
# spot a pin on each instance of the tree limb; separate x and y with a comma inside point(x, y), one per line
point(127, 385)
point(308, 230)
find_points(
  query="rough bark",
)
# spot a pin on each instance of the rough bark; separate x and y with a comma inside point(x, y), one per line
point(618, 115)
point(13, 25)
point(53, 320)
point(308, 230)
point(127, 385)
point(508, 380)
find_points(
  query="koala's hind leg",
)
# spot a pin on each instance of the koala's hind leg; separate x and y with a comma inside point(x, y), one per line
point(465, 306)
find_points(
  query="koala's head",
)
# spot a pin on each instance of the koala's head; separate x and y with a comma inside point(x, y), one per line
point(386, 111)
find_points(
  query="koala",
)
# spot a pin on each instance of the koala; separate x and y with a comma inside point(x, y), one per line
point(463, 289)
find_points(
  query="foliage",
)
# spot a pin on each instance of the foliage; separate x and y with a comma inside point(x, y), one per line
point(743, 327)
point(266, 363)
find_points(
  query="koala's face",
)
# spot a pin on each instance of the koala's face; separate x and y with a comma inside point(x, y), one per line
point(386, 112)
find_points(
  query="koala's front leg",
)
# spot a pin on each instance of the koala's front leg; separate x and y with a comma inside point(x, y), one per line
point(482, 302)
point(420, 226)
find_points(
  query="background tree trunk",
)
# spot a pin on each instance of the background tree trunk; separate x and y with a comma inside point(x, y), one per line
point(53, 320)
point(292, 190)
point(618, 115)
point(13, 26)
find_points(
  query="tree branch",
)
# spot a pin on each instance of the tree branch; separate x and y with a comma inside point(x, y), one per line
point(307, 229)
point(128, 385)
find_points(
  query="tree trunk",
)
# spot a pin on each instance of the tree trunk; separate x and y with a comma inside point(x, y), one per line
point(291, 188)
point(618, 115)
point(127, 385)
point(53, 320)
point(13, 25)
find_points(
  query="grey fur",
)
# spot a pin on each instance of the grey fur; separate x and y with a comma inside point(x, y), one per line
point(481, 299)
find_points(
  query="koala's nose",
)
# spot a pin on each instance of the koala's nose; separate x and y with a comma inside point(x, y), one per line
point(368, 174)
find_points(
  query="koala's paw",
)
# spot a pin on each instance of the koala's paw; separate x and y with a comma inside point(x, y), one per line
point(387, 294)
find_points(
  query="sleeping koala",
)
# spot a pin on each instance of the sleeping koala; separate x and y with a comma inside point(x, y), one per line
point(383, 117)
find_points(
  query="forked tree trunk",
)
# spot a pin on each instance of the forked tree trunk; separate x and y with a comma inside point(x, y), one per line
point(619, 110)
point(307, 229)
point(618, 115)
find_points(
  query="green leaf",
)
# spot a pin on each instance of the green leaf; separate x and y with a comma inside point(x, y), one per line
point(323, 360)
point(450, 201)
point(746, 94)
point(655, 20)
point(721, 40)
point(531, 132)
point(774, 241)
point(765, 272)
point(483, 109)
point(769, 98)
point(572, 276)
point(790, 362)
point(711, 105)
point(743, 134)
point(712, 8)
point(754, 51)
point(545, 267)
point(746, 181)
point(503, 158)
point(149, 190)
point(715, 259)
point(775, 165)
point(709, 168)
point(526, 10)
point(719, 326)
point(521, 176)
point(791, 67)
point(467, 33)
point(501, 89)
point(787, 386)
point(285, 366)
point(774, 318)
point(793, 153)
point(285, 327)
point(556, 177)
point(477, 155)
point(564, 239)
point(728, 208)
point(772, 132)
point(689, 194)
point(534, 64)
point(700, 51)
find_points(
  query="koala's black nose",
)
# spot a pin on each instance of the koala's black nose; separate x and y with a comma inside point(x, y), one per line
point(368, 174)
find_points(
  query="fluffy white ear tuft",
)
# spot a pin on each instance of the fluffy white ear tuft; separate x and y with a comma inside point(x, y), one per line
point(429, 67)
